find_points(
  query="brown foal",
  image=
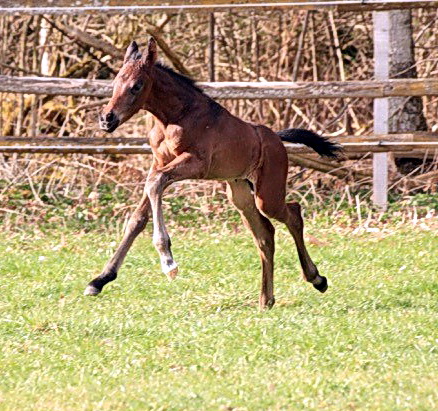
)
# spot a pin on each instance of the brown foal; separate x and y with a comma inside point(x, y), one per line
point(196, 138)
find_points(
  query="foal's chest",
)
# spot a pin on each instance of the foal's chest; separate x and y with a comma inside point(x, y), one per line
point(168, 143)
point(174, 139)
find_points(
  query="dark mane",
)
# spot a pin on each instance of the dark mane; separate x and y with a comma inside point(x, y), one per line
point(181, 78)
point(190, 84)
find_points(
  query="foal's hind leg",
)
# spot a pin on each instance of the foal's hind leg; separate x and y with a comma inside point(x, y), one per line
point(290, 215)
point(262, 230)
point(295, 225)
point(135, 226)
point(270, 200)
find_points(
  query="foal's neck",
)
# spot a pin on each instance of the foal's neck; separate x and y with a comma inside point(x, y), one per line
point(169, 100)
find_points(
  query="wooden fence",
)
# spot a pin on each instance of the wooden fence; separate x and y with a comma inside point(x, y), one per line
point(236, 90)
point(406, 144)
point(379, 89)
point(176, 6)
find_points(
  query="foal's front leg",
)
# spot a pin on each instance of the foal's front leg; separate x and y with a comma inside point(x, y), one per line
point(135, 226)
point(182, 167)
point(155, 186)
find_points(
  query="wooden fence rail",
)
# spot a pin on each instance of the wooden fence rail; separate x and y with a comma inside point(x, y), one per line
point(236, 90)
point(400, 143)
point(54, 7)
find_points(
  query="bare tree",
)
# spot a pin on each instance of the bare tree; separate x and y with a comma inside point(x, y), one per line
point(405, 113)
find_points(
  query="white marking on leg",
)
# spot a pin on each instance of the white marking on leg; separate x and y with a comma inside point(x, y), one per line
point(162, 244)
point(161, 238)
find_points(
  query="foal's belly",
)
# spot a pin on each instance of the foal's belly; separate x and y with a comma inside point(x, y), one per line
point(235, 158)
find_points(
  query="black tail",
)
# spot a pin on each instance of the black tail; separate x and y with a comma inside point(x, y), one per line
point(322, 145)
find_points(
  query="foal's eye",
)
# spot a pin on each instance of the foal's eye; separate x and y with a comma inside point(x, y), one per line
point(136, 88)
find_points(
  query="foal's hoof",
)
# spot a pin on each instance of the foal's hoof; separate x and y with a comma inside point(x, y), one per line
point(270, 303)
point(171, 272)
point(322, 284)
point(91, 290)
point(267, 305)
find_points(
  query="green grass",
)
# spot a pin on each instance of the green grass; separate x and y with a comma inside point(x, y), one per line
point(200, 342)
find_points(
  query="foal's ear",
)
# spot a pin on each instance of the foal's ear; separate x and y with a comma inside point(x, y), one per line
point(150, 57)
point(131, 52)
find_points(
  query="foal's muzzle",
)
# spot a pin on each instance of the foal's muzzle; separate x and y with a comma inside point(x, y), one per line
point(108, 122)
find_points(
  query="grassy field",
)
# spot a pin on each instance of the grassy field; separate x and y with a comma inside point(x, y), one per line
point(200, 342)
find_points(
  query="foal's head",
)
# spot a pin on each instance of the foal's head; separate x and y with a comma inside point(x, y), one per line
point(131, 86)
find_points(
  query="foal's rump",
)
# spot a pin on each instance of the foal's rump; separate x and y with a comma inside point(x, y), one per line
point(271, 174)
point(270, 181)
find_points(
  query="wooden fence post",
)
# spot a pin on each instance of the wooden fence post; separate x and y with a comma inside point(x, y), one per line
point(381, 106)
point(211, 47)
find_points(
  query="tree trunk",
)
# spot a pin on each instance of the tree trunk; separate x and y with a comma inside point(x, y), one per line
point(405, 113)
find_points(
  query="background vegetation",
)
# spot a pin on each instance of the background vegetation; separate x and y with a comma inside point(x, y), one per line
point(266, 46)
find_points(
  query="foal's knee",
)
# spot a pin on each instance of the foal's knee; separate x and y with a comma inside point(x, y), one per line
point(137, 222)
point(152, 188)
point(162, 243)
point(155, 184)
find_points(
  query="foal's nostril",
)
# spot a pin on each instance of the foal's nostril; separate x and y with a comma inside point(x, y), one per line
point(110, 116)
